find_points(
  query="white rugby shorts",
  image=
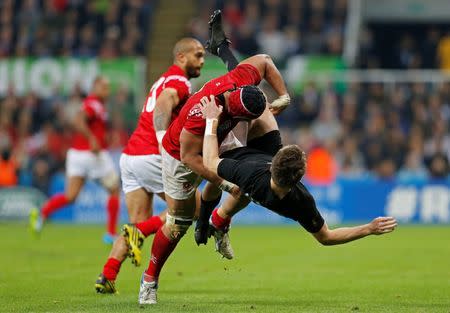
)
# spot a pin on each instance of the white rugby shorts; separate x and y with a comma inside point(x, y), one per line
point(141, 171)
point(180, 182)
point(85, 163)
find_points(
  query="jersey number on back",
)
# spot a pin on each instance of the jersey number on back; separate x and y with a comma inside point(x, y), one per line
point(151, 100)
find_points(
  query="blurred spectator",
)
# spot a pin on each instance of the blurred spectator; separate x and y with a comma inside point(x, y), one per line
point(349, 159)
point(8, 169)
point(270, 39)
point(321, 166)
point(413, 169)
point(439, 166)
point(444, 52)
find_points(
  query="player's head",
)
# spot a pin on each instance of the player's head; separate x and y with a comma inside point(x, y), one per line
point(189, 54)
point(247, 102)
point(288, 166)
point(100, 87)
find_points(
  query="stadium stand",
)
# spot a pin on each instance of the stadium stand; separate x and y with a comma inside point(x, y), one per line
point(382, 129)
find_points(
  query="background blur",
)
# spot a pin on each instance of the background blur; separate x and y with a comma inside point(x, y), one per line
point(369, 82)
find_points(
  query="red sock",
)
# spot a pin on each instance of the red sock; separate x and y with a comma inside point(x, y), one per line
point(150, 226)
point(113, 214)
point(54, 204)
point(111, 268)
point(218, 221)
point(161, 249)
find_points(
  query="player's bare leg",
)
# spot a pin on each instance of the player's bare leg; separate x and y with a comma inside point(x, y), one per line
point(111, 183)
point(56, 202)
point(143, 223)
point(179, 218)
point(140, 209)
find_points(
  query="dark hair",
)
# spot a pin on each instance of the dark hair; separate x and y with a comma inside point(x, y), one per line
point(253, 99)
point(288, 166)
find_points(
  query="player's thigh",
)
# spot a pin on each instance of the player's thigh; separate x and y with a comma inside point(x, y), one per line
point(232, 205)
point(103, 170)
point(74, 185)
point(180, 186)
point(182, 208)
point(142, 171)
point(262, 125)
point(140, 205)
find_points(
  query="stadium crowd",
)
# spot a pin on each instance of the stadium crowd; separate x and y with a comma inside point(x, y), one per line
point(383, 130)
point(77, 28)
point(276, 27)
point(405, 47)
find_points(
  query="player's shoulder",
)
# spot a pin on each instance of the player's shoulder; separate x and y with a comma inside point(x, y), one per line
point(175, 76)
point(92, 101)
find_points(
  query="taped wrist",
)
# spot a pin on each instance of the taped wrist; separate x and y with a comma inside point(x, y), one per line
point(226, 186)
point(281, 102)
point(209, 126)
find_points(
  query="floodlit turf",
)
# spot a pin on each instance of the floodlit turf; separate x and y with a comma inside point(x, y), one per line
point(277, 269)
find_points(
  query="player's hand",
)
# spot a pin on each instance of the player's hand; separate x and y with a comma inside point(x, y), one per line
point(278, 105)
point(382, 225)
point(95, 146)
point(209, 108)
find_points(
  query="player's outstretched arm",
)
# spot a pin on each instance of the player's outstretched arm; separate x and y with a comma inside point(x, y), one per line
point(268, 71)
point(162, 114)
point(378, 226)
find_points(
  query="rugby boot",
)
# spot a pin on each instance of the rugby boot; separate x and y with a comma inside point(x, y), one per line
point(147, 291)
point(216, 34)
point(222, 241)
point(36, 222)
point(202, 226)
point(103, 285)
point(134, 240)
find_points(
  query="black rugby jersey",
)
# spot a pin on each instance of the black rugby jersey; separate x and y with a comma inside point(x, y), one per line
point(250, 170)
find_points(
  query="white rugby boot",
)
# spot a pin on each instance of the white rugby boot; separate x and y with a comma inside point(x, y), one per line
point(147, 292)
point(223, 244)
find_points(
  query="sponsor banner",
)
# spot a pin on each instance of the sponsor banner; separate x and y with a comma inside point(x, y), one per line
point(16, 202)
point(45, 75)
point(345, 201)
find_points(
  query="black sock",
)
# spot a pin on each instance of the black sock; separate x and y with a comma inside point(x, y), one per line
point(227, 56)
point(206, 208)
point(202, 225)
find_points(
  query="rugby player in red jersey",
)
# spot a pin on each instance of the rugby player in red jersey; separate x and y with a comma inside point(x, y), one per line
point(140, 162)
point(87, 159)
point(183, 168)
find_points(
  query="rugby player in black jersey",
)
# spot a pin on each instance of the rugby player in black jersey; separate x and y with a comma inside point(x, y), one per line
point(274, 182)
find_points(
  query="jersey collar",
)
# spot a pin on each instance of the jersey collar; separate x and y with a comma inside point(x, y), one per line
point(175, 69)
point(94, 97)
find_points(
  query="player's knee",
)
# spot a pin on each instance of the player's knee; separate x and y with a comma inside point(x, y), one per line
point(111, 182)
point(71, 198)
point(177, 226)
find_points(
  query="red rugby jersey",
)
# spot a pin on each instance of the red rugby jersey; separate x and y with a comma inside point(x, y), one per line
point(143, 140)
point(97, 116)
point(190, 117)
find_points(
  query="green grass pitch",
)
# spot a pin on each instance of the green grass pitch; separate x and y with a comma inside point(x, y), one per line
point(276, 269)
